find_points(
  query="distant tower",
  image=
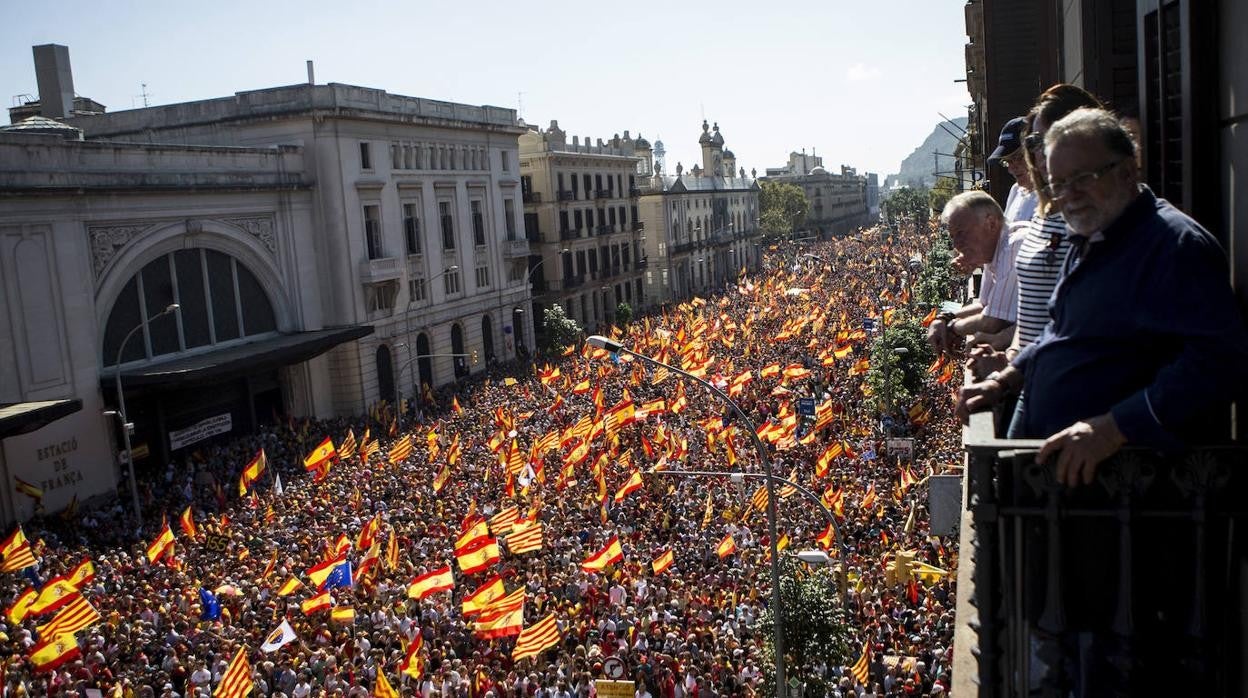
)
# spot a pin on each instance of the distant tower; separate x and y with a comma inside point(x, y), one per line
point(660, 164)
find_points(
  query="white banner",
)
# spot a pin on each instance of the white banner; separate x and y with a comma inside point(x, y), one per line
point(199, 431)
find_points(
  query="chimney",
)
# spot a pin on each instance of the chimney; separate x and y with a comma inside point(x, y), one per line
point(55, 79)
point(311, 74)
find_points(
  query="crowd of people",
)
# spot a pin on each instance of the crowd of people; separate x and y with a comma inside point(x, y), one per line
point(687, 631)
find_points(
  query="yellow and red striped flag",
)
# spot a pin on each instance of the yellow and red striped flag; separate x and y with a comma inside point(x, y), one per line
point(16, 613)
point(662, 562)
point(319, 602)
point(860, 668)
point(382, 687)
point(53, 652)
point(27, 489)
point(431, 583)
point(344, 615)
point(502, 522)
point(322, 454)
point(291, 586)
point(536, 638)
point(187, 522)
point(726, 547)
point(347, 449)
point(609, 554)
point(483, 595)
point(400, 451)
point(478, 556)
point(525, 539)
point(252, 472)
point(236, 682)
point(412, 664)
point(76, 615)
point(162, 544)
point(630, 486)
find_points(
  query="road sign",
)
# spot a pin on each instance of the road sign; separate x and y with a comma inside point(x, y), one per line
point(806, 406)
point(901, 448)
point(613, 667)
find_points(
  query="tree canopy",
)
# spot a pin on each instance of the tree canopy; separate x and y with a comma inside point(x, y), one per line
point(906, 202)
point(559, 330)
point(782, 207)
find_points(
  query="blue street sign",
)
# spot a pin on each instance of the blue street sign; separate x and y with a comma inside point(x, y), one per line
point(806, 406)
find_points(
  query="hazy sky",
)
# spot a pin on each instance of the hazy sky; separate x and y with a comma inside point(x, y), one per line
point(860, 82)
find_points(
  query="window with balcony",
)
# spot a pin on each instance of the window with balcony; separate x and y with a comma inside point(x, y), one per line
point(411, 228)
point(448, 225)
point(483, 277)
point(372, 232)
point(478, 224)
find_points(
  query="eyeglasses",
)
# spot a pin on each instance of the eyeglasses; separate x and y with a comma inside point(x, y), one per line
point(1082, 182)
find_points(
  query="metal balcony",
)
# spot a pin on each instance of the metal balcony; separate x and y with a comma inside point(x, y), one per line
point(574, 281)
point(639, 226)
point(603, 194)
point(633, 192)
point(567, 196)
point(373, 271)
point(569, 234)
point(533, 197)
point(603, 229)
point(515, 248)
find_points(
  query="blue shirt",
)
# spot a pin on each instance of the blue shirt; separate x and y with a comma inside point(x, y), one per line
point(1144, 325)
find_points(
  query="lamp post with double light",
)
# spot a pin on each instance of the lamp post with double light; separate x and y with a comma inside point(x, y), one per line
point(407, 314)
point(126, 425)
point(615, 348)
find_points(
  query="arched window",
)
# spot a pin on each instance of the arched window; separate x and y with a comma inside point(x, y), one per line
point(457, 347)
point(385, 374)
point(221, 302)
point(487, 338)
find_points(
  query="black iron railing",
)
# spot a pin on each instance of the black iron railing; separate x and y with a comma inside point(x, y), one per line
point(1143, 562)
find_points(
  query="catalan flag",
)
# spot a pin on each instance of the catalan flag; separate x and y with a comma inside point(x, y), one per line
point(502, 522)
point(187, 523)
point(726, 547)
point(162, 544)
point(76, 615)
point(321, 455)
point(536, 638)
point(53, 652)
point(861, 667)
point(431, 583)
point(382, 687)
point(609, 554)
point(236, 682)
point(347, 449)
point(401, 450)
point(525, 539)
point(662, 562)
point(19, 558)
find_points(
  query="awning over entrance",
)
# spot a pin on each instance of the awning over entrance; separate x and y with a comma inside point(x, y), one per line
point(24, 417)
point(235, 361)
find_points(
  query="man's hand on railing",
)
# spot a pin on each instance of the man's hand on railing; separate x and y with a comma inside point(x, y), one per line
point(985, 360)
point(1082, 446)
point(977, 397)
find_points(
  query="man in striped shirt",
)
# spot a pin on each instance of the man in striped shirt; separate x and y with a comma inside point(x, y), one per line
point(977, 227)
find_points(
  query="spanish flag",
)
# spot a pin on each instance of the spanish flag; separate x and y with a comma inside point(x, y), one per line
point(320, 455)
point(53, 652)
point(455, 405)
point(474, 534)
point(478, 556)
point(81, 574)
point(431, 583)
point(28, 489)
point(162, 544)
point(320, 573)
point(346, 616)
point(252, 472)
point(21, 606)
point(291, 586)
point(412, 665)
point(662, 562)
point(630, 486)
point(536, 638)
point(319, 602)
point(609, 554)
point(484, 594)
point(505, 621)
point(15, 540)
point(770, 371)
point(726, 547)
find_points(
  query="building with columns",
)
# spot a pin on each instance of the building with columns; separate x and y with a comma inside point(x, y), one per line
point(581, 220)
point(839, 203)
point(318, 247)
point(702, 226)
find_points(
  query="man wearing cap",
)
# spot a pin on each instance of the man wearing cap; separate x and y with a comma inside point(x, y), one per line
point(1021, 203)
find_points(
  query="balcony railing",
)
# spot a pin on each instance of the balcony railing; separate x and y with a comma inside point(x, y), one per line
point(532, 197)
point(515, 248)
point(569, 234)
point(603, 194)
point(574, 281)
point(567, 196)
point(1146, 554)
point(603, 229)
point(682, 247)
point(639, 226)
point(374, 271)
point(633, 192)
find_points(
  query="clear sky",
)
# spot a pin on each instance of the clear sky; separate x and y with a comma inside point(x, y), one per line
point(859, 82)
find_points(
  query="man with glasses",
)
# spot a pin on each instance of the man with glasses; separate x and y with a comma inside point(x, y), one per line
point(1146, 344)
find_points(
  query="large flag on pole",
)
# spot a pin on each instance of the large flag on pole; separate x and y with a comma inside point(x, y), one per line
point(236, 681)
point(536, 638)
point(609, 554)
point(431, 583)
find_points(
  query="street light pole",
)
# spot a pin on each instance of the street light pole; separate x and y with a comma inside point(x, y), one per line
point(614, 347)
point(528, 283)
point(126, 424)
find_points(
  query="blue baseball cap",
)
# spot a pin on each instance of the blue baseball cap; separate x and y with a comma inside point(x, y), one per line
point(1011, 138)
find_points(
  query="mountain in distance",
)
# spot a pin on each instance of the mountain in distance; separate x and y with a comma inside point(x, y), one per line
point(916, 169)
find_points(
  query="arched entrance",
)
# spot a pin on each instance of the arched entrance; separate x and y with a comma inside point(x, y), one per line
point(487, 339)
point(519, 332)
point(457, 347)
point(423, 362)
point(385, 375)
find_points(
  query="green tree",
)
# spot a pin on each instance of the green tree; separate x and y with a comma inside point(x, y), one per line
point(936, 282)
point(782, 207)
point(558, 330)
point(945, 189)
point(816, 627)
point(900, 356)
point(906, 202)
point(623, 314)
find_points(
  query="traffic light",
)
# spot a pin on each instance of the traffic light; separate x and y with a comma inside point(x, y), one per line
point(474, 357)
